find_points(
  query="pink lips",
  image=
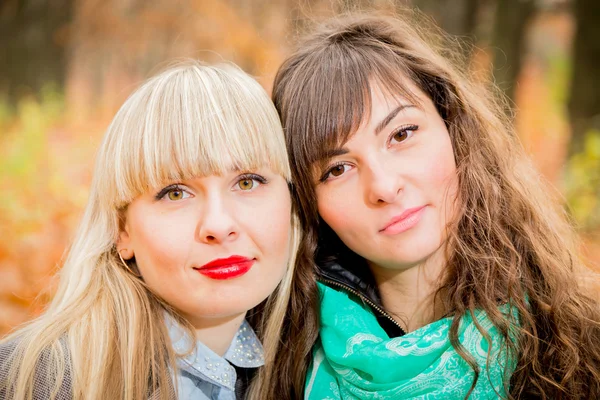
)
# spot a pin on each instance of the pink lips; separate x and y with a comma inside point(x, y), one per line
point(403, 222)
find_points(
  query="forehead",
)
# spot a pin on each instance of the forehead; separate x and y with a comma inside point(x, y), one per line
point(228, 173)
point(381, 100)
point(187, 146)
point(327, 102)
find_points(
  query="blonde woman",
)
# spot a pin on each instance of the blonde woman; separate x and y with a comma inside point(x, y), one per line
point(189, 225)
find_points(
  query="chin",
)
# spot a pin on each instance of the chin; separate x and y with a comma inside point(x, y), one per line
point(235, 306)
point(401, 260)
point(222, 311)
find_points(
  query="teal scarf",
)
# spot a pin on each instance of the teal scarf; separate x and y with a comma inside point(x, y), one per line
point(356, 359)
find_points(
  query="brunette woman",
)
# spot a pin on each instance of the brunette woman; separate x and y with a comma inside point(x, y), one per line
point(445, 269)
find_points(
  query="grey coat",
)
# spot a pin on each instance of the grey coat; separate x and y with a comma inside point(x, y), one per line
point(203, 375)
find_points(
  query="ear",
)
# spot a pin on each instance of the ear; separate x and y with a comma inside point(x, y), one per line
point(124, 244)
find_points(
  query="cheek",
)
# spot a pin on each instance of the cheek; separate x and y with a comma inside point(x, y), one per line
point(335, 207)
point(275, 233)
point(268, 223)
point(441, 162)
point(443, 179)
point(161, 243)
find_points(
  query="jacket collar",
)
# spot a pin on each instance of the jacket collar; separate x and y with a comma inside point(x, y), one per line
point(333, 271)
point(358, 279)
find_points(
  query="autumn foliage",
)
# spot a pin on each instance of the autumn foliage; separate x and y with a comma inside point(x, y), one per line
point(48, 139)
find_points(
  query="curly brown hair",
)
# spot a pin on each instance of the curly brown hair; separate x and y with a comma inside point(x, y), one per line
point(510, 242)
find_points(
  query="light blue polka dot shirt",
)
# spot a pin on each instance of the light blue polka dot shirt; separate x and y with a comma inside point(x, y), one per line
point(204, 375)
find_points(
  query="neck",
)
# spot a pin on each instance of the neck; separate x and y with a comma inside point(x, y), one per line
point(217, 333)
point(408, 294)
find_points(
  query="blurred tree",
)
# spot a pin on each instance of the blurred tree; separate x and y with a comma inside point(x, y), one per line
point(584, 99)
point(457, 17)
point(118, 43)
point(511, 18)
point(33, 42)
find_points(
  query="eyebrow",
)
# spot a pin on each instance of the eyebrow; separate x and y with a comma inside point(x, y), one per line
point(381, 126)
point(331, 153)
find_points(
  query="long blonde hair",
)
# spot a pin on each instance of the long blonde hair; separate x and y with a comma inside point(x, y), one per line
point(102, 336)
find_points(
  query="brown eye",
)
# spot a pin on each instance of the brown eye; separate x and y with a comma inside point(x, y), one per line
point(400, 136)
point(403, 133)
point(337, 170)
point(246, 184)
point(175, 194)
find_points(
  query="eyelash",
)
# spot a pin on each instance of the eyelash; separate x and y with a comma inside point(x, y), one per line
point(325, 176)
point(164, 191)
point(403, 128)
point(247, 176)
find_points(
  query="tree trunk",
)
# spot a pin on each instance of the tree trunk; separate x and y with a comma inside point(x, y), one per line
point(508, 41)
point(457, 17)
point(584, 99)
point(33, 36)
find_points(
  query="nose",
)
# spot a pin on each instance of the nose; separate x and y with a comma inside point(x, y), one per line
point(383, 182)
point(216, 224)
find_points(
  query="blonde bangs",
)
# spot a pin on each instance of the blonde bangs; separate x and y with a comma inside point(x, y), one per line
point(190, 121)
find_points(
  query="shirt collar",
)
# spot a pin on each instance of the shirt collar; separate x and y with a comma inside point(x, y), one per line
point(245, 351)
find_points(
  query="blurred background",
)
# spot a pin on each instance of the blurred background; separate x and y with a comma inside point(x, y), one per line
point(67, 65)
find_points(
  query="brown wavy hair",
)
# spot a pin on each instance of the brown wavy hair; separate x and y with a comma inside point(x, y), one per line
point(510, 242)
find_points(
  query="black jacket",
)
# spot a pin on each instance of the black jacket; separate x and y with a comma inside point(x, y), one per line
point(359, 282)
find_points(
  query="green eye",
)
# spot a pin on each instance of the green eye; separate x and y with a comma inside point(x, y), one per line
point(246, 184)
point(175, 194)
point(249, 182)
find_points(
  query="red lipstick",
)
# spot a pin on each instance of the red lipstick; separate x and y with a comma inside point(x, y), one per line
point(403, 222)
point(226, 268)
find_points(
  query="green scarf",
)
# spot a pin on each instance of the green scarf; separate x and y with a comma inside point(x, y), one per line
point(356, 359)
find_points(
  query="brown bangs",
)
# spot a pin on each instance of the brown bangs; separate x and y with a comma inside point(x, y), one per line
point(334, 98)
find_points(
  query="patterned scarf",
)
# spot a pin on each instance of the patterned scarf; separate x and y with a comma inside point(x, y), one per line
point(356, 359)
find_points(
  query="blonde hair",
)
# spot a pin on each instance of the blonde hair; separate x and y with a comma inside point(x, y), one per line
point(101, 334)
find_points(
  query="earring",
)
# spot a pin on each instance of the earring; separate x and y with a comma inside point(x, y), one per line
point(127, 267)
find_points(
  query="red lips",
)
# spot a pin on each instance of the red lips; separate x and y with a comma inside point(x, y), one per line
point(226, 268)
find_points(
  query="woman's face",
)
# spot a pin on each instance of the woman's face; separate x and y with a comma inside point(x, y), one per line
point(389, 192)
point(212, 247)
